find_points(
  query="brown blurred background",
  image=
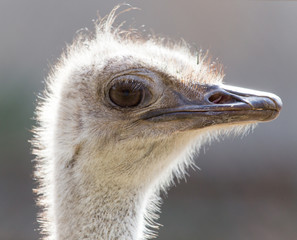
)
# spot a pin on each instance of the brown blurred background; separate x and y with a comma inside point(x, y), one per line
point(247, 187)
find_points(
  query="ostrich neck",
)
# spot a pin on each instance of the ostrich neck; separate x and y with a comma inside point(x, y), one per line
point(107, 195)
point(87, 210)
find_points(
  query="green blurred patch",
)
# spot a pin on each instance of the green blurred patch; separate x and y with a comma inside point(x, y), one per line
point(17, 103)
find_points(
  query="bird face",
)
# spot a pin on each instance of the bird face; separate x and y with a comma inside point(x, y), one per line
point(130, 98)
point(148, 97)
point(138, 107)
point(140, 116)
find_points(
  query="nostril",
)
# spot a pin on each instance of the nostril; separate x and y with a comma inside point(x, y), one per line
point(222, 98)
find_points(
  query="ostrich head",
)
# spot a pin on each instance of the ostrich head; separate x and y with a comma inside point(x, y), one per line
point(121, 117)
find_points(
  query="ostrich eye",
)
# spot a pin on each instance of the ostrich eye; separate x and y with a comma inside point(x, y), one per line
point(127, 94)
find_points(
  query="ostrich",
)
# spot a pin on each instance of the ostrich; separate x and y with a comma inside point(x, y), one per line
point(120, 118)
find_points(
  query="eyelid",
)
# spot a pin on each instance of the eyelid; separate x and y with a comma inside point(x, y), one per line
point(134, 84)
point(142, 73)
point(139, 80)
point(132, 78)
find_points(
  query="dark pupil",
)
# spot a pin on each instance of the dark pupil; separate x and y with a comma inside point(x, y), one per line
point(126, 95)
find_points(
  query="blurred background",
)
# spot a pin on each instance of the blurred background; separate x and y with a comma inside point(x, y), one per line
point(246, 188)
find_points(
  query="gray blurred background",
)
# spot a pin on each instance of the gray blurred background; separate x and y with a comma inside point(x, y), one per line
point(247, 187)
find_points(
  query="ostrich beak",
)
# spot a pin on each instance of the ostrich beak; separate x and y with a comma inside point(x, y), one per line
point(221, 104)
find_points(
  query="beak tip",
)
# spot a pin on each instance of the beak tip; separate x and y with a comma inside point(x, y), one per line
point(278, 106)
point(278, 102)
